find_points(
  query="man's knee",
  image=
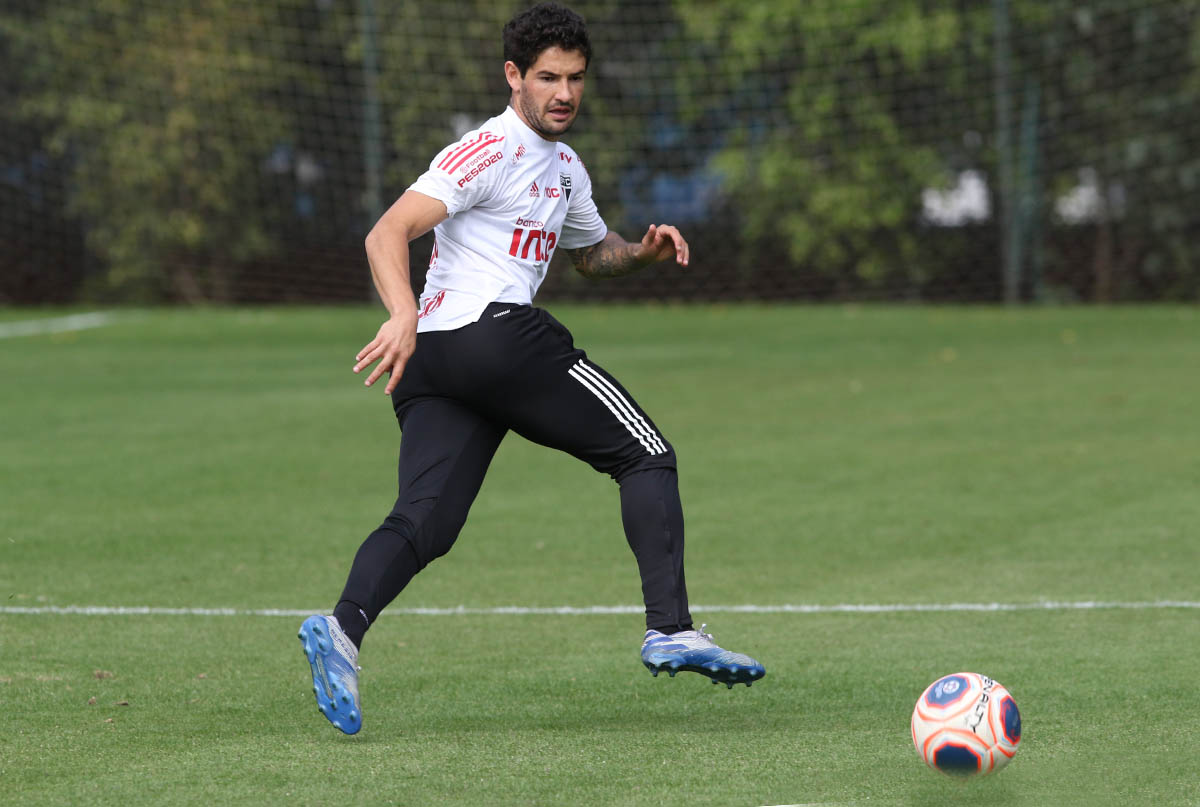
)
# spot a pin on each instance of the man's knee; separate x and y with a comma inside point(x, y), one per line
point(643, 462)
point(430, 529)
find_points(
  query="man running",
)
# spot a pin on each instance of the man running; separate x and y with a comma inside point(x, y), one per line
point(473, 359)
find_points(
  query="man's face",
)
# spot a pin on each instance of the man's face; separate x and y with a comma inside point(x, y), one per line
point(547, 97)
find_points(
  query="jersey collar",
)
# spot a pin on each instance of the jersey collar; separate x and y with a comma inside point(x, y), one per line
point(526, 135)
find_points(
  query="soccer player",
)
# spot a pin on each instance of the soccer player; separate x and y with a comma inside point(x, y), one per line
point(473, 359)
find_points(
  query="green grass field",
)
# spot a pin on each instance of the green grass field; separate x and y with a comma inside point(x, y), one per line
point(197, 459)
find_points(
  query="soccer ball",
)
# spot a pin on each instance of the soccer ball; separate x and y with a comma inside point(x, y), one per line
point(966, 724)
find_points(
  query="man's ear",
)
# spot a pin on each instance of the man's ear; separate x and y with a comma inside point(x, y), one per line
point(513, 74)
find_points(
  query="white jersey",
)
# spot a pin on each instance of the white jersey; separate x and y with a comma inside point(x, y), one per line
point(513, 199)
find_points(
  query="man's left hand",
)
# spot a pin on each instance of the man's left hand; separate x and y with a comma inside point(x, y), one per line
point(662, 242)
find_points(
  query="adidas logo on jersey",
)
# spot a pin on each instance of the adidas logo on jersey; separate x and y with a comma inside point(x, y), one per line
point(533, 190)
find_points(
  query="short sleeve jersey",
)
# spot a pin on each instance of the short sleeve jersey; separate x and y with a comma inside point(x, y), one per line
point(513, 198)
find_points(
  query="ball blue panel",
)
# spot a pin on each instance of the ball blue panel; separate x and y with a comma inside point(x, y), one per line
point(1012, 720)
point(947, 690)
point(956, 759)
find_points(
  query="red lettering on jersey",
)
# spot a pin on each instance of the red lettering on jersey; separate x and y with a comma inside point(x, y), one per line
point(480, 168)
point(566, 157)
point(540, 241)
point(431, 304)
point(535, 238)
point(457, 156)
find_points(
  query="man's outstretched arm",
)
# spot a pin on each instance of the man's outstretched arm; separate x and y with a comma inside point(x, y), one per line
point(614, 256)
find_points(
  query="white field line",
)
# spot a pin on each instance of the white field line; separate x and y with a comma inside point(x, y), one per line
point(570, 610)
point(72, 322)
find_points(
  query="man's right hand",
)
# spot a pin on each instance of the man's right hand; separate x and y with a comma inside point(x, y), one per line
point(392, 347)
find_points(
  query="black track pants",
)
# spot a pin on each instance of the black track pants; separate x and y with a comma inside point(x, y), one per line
point(517, 369)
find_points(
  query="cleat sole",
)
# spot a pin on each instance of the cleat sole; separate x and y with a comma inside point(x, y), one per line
point(730, 675)
point(324, 689)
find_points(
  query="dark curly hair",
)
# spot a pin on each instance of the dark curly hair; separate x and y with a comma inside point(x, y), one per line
point(544, 26)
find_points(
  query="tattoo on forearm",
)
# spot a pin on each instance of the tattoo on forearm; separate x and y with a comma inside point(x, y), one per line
point(606, 259)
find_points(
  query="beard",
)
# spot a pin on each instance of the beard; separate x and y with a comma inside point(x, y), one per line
point(538, 121)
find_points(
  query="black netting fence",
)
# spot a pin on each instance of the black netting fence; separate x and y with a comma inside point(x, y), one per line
point(230, 150)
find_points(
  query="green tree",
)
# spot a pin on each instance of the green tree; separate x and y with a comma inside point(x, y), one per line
point(164, 113)
point(845, 113)
point(1121, 85)
point(829, 147)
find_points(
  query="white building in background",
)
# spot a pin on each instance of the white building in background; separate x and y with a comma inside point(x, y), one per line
point(1086, 201)
point(969, 201)
point(965, 203)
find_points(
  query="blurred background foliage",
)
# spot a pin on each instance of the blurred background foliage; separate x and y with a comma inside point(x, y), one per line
point(236, 151)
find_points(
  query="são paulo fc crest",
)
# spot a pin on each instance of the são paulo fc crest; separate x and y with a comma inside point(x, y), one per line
point(565, 181)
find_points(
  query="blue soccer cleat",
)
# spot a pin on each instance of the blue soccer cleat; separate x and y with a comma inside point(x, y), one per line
point(694, 651)
point(333, 658)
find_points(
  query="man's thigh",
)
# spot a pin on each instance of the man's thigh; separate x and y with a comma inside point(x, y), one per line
point(518, 368)
point(557, 397)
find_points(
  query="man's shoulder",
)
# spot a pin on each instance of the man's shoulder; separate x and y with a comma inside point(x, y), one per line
point(484, 144)
point(569, 159)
